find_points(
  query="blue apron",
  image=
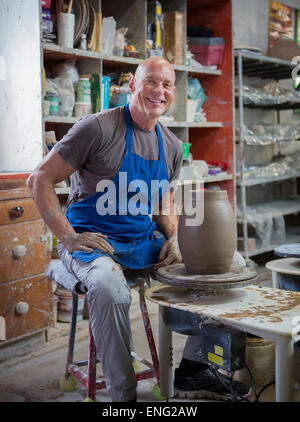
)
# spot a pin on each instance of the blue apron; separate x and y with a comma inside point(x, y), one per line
point(134, 236)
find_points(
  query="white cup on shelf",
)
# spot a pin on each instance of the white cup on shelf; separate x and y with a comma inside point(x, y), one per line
point(65, 29)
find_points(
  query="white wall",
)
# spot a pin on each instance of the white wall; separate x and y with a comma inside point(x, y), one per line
point(20, 93)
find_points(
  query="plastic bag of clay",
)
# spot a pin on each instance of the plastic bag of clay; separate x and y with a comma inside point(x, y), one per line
point(108, 34)
point(67, 67)
point(196, 93)
point(279, 93)
point(275, 169)
point(259, 134)
point(238, 259)
point(253, 95)
point(278, 230)
point(262, 222)
point(295, 161)
point(200, 168)
point(63, 87)
point(119, 41)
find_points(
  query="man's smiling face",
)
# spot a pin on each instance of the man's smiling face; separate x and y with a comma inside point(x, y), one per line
point(153, 88)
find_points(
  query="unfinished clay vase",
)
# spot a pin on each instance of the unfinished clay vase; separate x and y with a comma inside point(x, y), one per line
point(208, 248)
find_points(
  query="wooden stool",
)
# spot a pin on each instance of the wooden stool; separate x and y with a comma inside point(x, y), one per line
point(73, 369)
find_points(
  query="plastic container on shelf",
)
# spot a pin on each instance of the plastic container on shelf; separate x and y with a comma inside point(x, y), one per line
point(186, 149)
point(65, 29)
point(105, 92)
point(82, 108)
point(83, 45)
point(84, 90)
point(54, 103)
point(207, 51)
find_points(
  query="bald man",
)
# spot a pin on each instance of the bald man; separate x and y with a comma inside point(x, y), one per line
point(100, 237)
point(113, 157)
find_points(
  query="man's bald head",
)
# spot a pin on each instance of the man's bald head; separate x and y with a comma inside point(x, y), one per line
point(152, 63)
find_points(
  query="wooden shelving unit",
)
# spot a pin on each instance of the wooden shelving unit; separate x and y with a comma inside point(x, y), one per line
point(211, 140)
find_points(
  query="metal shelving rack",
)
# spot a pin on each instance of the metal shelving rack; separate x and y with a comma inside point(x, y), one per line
point(255, 65)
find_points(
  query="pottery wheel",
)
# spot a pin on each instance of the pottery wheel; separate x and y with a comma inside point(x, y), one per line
point(176, 275)
point(288, 251)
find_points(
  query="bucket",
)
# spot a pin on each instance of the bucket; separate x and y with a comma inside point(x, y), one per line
point(260, 359)
point(64, 306)
point(65, 29)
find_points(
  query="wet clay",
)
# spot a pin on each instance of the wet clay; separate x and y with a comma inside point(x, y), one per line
point(208, 248)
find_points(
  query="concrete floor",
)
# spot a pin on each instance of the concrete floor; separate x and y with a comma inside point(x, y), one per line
point(34, 377)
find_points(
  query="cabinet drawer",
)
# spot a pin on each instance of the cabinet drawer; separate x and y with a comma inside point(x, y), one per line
point(26, 305)
point(22, 253)
point(17, 211)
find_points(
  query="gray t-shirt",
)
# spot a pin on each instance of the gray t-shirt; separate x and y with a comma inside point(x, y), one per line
point(95, 147)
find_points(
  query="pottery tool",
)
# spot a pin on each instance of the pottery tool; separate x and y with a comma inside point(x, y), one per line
point(70, 6)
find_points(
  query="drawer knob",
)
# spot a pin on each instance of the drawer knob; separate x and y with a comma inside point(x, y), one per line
point(16, 212)
point(22, 308)
point(19, 251)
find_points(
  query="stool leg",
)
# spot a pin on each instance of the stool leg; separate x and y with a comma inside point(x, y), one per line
point(149, 333)
point(72, 333)
point(92, 362)
point(165, 357)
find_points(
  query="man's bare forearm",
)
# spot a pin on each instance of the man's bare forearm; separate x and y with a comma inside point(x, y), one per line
point(167, 219)
point(47, 203)
point(168, 224)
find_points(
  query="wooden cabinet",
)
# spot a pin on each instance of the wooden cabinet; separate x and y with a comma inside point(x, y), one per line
point(26, 295)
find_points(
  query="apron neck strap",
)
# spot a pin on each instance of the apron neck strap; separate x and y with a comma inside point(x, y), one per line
point(128, 121)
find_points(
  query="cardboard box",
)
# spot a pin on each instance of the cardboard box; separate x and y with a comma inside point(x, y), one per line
point(251, 244)
point(173, 37)
point(98, 31)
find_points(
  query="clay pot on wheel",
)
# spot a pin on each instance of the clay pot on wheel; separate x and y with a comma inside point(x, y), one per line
point(208, 248)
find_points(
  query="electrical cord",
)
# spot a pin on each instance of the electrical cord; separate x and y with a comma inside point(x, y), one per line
point(265, 387)
point(236, 397)
point(256, 395)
